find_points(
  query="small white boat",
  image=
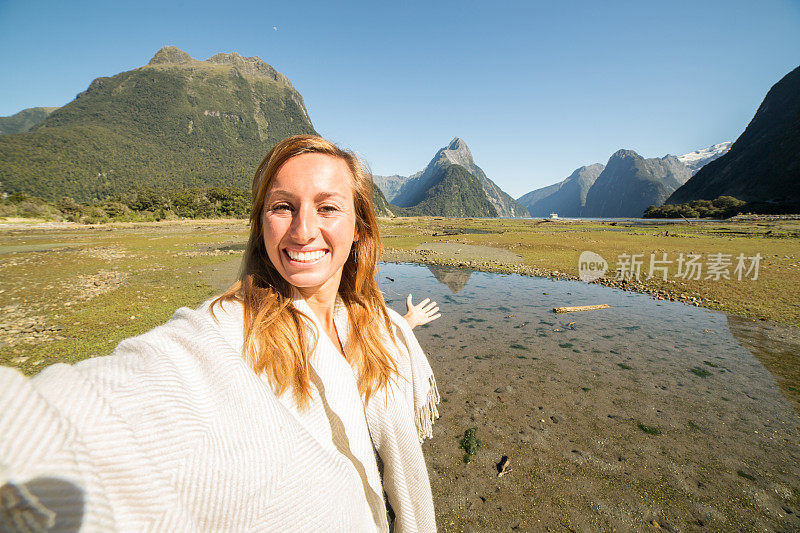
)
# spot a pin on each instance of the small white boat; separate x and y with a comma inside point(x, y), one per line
point(553, 215)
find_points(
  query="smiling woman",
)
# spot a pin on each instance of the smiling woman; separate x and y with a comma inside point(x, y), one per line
point(263, 409)
point(309, 223)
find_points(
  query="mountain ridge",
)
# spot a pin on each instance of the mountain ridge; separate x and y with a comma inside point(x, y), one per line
point(24, 120)
point(567, 197)
point(390, 185)
point(699, 158)
point(629, 184)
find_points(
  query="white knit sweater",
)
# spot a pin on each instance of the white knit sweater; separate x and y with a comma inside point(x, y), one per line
point(175, 432)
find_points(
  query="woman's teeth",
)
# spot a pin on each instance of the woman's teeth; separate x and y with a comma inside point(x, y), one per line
point(306, 256)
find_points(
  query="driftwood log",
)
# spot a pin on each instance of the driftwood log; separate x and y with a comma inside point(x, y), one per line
point(580, 308)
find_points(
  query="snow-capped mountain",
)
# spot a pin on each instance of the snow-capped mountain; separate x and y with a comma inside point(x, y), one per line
point(698, 158)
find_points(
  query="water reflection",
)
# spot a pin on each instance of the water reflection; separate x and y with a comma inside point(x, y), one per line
point(454, 278)
point(609, 410)
point(776, 346)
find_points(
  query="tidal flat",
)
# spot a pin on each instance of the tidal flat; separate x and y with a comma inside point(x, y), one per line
point(653, 413)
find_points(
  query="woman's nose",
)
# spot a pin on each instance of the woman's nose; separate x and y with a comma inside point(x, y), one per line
point(304, 225)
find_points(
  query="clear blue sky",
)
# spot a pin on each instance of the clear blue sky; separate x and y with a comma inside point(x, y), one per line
point(535, 88)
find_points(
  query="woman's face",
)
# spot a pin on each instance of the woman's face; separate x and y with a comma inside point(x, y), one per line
point(309, 222)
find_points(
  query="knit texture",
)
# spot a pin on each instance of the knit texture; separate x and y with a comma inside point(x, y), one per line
point(175, 432)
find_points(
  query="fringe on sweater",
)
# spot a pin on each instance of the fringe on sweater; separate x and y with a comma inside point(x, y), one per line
point(427, 413)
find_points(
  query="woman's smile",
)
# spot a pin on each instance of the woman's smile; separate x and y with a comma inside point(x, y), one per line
point(306, 257)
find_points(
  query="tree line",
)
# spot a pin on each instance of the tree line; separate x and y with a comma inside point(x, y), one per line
point(720, 207)
point(138, 206)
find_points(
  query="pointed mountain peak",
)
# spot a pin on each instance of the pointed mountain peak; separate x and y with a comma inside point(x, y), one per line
point(458, 153)
point(170, 54)
point(457, 144)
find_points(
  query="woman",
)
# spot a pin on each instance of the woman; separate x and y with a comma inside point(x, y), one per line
point(269, 408)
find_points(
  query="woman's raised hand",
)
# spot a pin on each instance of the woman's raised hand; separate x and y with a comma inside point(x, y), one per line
point(422, 313)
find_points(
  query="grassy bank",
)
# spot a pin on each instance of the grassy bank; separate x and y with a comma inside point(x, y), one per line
point(71, 291)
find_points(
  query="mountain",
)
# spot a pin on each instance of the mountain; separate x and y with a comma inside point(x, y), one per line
point(699, 158)
point(390, 185)
point(382, 208)
point(629, 184)
point(24, 120)
point(456, 193)
point(566, 198)
point(528, 199)
point(453, 185)
point(763, 165)
point(175, 122)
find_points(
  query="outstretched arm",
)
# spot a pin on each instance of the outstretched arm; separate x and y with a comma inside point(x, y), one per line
point(422, 313)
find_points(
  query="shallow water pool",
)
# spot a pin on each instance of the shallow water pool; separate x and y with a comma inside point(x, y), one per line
point(649, 411)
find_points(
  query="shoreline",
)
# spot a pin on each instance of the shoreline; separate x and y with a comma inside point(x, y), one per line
point(655, 290)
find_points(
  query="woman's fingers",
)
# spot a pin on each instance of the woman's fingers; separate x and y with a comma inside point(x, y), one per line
point(429, 307)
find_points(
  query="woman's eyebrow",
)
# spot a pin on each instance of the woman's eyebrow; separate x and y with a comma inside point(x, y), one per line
point(280, 193)
point(319, 197)
point(324, 195)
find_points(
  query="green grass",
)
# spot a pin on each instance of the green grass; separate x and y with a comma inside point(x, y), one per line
point(470, 444)
point(50, 286)
point(40, 280)
point(742, 473)
point(702, 372)
point(648, 429)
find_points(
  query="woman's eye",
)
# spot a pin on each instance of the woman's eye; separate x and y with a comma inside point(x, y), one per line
point(328, 208)
point(281, 207)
